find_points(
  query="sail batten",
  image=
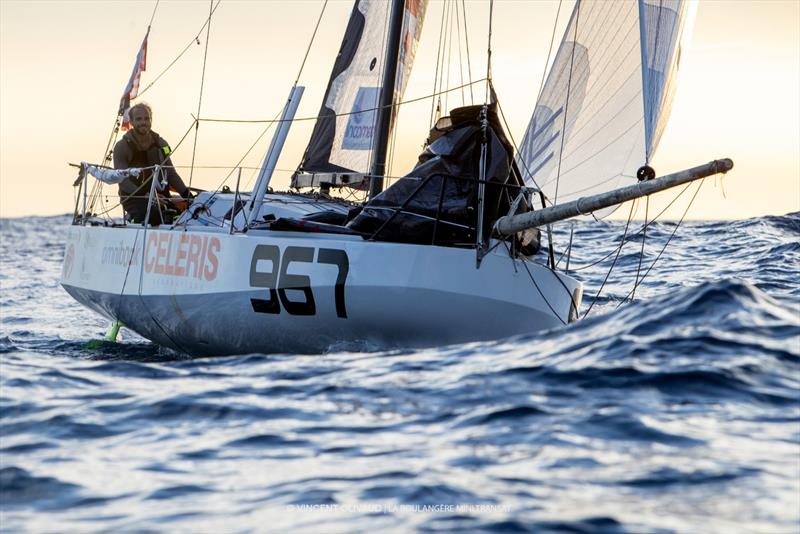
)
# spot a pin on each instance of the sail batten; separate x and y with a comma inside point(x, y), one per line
point(604, 103)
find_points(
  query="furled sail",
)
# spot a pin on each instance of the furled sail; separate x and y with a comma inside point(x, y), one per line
point(344, 135)
point(601, 113)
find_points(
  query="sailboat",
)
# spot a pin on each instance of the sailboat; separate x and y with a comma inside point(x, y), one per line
point(451, 252)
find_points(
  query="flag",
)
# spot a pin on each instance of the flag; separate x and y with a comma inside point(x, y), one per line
point(132, 89)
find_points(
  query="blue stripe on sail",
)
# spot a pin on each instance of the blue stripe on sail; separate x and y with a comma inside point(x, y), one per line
point(544, 147)
point(542, 164)
point(547, 123)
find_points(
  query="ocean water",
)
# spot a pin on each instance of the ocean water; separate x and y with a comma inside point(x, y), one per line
point(676, 412)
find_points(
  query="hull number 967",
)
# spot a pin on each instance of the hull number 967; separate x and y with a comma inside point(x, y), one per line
point(278, 280)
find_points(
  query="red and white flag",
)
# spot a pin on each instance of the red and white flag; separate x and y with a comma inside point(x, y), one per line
point(132, 89)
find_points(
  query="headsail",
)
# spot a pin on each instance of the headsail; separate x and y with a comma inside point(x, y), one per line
point(344, 135)
point(665, 28)
point(600, 113)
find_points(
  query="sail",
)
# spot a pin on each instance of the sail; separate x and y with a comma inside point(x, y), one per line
point(665, 28)
point(600, 113)
point(344, 135)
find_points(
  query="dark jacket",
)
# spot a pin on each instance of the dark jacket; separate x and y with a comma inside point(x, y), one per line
point(128, 154)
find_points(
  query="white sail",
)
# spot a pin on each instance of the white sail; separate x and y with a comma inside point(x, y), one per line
point(600, 114)
point(345, 133)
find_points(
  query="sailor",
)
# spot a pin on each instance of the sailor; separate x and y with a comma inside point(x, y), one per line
point(141, 147)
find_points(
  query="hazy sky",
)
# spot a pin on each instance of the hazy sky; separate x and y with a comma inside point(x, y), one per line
point(64, 64)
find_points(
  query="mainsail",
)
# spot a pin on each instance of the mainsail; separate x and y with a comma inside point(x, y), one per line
point(607, 97)
point(345, 132)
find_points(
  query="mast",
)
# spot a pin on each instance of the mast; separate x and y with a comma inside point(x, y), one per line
point(583, 206)
point(385, 105)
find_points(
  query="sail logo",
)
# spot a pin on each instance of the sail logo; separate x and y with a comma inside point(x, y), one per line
point(183, 255)
point(361, 125)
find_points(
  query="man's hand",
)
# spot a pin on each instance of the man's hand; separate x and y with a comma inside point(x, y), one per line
point(179, 203)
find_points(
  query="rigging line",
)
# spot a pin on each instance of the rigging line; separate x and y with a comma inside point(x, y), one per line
point(436, 73)
point(582, 267)
point(489, 52)
point(549, 52)
point(525, 260)
point(542, 195)
point(460, 59)
point(541, 293)
point(568, 251)
point(566, 289)
point(193, 41)
point(469, 62)
point(619, 249)
point(668, 240)
point(97, 189)
point(302, 66)
point(247, 153)
point(514, 144)
point(443, 73)
point(202, 84)
point(368, 110)
point(450, 4)
point(244, 167)
point(641, 251)
point(153, 16)
point(566, 102)
point(188, 131)
point(390, 150)
point(311, 42)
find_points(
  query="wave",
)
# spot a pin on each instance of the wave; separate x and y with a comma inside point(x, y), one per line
point(678, 409)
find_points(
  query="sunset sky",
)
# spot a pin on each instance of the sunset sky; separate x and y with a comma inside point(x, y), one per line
point(64, 64)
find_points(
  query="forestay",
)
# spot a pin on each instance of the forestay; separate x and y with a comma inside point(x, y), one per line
point(344, 135)
point(601, 114)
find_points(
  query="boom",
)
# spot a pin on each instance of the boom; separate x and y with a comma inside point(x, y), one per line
point(583, 206)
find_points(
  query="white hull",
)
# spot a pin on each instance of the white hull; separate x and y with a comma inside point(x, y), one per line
point(204, 291)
